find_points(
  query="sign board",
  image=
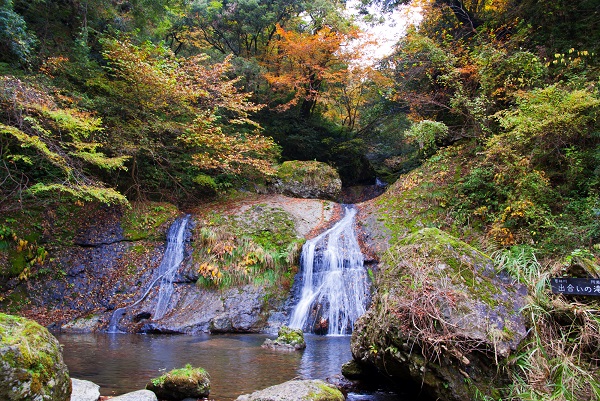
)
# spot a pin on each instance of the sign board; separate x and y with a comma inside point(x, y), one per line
point(576, 286)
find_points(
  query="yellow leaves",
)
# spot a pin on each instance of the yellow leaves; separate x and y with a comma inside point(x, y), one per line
point(210, 271)
point(21, 245)
point(502, 235)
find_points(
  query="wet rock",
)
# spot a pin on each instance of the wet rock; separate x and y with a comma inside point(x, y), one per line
point(188, 382)
point(31, 363)
point(242, 311)
point(296, 390)
point(308, 179)
point(142, 316)
point(140, 395)
point(84, 390)
point(81, 325)
point(354, 371)
point(287, 339)
point(104, 229)
point(443, 317)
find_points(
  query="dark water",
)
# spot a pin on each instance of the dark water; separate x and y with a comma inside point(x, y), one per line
point(120, 363)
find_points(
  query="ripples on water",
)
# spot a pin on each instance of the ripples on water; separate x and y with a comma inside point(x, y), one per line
point(120, 363)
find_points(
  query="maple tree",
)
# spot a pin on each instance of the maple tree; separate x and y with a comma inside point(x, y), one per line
point(302, 64)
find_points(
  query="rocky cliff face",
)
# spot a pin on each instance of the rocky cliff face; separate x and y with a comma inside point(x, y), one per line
point(442, 317)
point(111, 261)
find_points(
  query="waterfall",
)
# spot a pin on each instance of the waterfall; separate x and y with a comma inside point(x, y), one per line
point(334, 286)
point(166, 273)
point(169, 265)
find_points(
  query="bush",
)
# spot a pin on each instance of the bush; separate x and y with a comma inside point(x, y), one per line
point(427, 134)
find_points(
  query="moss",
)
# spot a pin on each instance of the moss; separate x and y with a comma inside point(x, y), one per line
point(35, 352)
point(312, 172)
point(147, 220)
point(290, 336)
point(465, 265)
point(259, 246)
point(325, 393)
point(181, 383)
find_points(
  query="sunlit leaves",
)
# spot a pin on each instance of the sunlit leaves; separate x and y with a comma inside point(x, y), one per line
point(301, 63)
point(214, 114)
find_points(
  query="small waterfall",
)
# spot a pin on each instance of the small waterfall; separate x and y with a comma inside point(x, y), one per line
point(334, 285)
point(169, 265)
point(166, 273)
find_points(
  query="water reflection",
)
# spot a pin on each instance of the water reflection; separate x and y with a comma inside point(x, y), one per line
point(120, 363)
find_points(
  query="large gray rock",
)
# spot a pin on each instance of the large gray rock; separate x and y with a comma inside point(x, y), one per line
point(31, 363)
point(308, 179)
point(84, 390)
point(296, 390)
point(442, 317)
point(141, 395)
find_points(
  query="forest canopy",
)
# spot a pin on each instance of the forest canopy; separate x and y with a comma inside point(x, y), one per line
point(181, 100)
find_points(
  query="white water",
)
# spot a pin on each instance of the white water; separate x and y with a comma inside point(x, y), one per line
point(334, 281)
point(170, 263)
point(166, 272)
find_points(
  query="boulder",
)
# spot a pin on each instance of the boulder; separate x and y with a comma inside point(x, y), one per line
point(296, 390)
point(188, 382)
point(287, 339)
point(140, 395)
point(443, 317)
point(308, 179)
point(31, 363)
point(84, 390)
point(354, 371)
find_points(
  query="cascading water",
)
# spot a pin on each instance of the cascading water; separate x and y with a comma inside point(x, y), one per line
point(334, 285)
point(166, 273)
point(169, 265)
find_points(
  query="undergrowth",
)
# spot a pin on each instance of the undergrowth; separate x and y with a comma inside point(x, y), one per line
point(259, 247)
point(559, 359)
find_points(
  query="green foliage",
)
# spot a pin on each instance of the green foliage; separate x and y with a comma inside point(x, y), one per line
point(258, 246)
point(557, 360)
point(427, 134)
point(147, 220)
point(206, 183)
point(15, 38)
point(502, 74)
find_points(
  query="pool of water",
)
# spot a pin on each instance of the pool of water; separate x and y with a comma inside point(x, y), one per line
point(120, 363)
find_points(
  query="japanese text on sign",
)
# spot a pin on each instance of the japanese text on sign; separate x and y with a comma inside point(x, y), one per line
point(575, 286)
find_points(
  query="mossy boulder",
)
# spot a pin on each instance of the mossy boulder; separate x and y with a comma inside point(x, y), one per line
point(308, 179)
point(187, 382)
point(287, 338)
point(296, 390)
point(31, 363)
point(442, 317)
point(354, 371)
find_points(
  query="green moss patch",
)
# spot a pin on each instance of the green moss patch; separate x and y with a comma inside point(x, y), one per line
point(259, 245)
point(177, 384)
point(147, 220)
point(309, 172)
point(31, 362)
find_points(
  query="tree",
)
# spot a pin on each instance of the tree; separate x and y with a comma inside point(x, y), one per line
point(194, 115)
point(15, 39)
point(301, 64)
point(240, 27)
